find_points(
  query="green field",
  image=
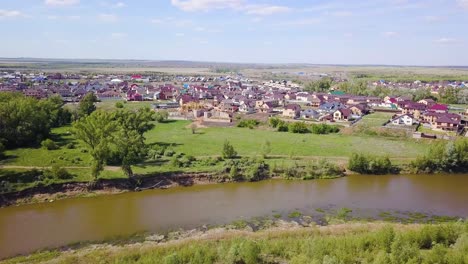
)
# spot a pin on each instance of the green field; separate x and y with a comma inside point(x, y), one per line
point(110, 105)
point(209, 142)
point(375, 120)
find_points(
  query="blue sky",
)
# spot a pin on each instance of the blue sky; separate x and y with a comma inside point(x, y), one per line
point(403, 32)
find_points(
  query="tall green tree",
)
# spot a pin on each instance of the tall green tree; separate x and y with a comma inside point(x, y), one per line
point(97, 132)
point(129, 139)
point(87, 106)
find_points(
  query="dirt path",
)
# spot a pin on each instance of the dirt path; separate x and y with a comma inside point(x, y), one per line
point(109, 168)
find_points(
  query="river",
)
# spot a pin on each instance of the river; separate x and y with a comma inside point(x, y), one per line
point(27, 228)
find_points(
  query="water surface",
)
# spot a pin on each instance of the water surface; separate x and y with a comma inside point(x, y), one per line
point(24, 229)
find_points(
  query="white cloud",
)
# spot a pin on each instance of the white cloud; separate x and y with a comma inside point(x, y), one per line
point(73, 17)
point(206, 5)
point(179, 34)
point(445, 41)
point(119, 5)
point(108, 18)
point(118, 35)
point(10, 13)
point(301, 22)
point(170, 21)
point(200, 29)
point(61, 2)
point(239, 5)
point(463, 3)
point(266, 10)
point(390, 34)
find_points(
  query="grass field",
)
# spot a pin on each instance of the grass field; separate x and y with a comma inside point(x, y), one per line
point(376, 119)
point(209, 142)
point(110, 105)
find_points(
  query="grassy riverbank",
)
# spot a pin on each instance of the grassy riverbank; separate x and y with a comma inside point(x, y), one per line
point(287, 243)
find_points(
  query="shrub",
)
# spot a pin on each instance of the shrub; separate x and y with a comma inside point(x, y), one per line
point(175, 162)
point(169, 153)
point(70, 145)
point(57, 172)
point(298, 127)
point(250, 123)
point(49, 144)
point(366, 164)
point(324, 129)
point(274, 122)
point(444, 157)
point(161, 116)
point(228, 151)
point(283, 126)
point(119, 105)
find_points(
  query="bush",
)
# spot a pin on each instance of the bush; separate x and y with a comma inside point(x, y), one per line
point(444, 157)
point(175, 162)
point(283, 126)
point(298, 127)
point(57, 172)
point(250, 123)
point(274, 122)
point(228, 151)
point(324, 129)
point(70, 145)
point(169, 153)
point(161, 116)
point(366, 164)
point(49, 144)
point(119, 105)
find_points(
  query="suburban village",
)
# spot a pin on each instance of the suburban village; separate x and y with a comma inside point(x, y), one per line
point(221, 100)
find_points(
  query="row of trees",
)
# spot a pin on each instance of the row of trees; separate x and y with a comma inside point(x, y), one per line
point(302, 127)
point(447, 95)
point(118, 136)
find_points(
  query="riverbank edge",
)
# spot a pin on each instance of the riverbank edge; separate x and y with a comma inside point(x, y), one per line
point(60, 191)
point(204, 234)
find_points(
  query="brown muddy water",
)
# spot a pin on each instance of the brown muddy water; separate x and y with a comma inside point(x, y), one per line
point(27, 228)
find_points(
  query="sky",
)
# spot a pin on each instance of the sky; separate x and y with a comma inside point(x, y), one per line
point(391, 32)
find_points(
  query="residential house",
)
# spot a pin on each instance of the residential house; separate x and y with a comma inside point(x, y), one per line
point(309, 114)
point(405, 120)
point(342, 114)
point(292, 111)
point(438, 108)
point(429, 102)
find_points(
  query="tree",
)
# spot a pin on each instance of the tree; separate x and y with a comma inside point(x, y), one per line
point(87, 106)
point(266, 149)
point(161, 116)
point(24, 121)
point(129, 139)
point(97, 132)
point(228, 151)
point(53, 106)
